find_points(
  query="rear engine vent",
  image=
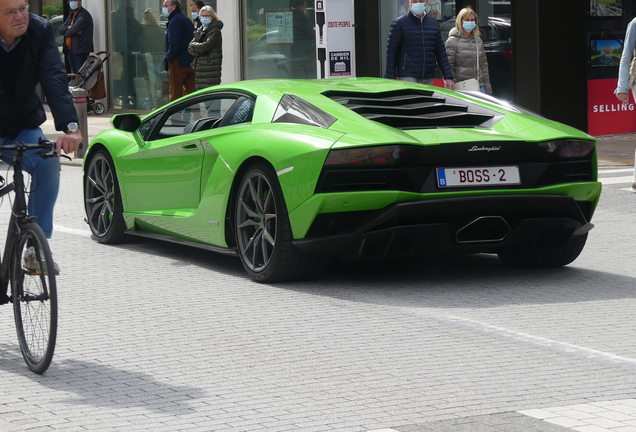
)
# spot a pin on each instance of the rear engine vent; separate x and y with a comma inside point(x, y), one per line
point(566, 172)
point(409, 109)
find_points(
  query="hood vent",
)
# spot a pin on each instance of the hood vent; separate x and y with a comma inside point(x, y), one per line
point(409, 109)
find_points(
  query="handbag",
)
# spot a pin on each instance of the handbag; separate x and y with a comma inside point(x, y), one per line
point(470, 84)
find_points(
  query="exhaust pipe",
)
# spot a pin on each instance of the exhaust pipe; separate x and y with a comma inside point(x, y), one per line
point(483, 229)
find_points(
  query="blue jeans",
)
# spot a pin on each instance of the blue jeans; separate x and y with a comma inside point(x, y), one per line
point(45, 178)
point(76, 61)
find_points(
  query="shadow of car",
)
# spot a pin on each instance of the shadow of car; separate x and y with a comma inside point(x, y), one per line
point(498, 45)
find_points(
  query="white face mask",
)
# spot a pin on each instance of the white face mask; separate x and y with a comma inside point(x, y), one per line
point(205, 21)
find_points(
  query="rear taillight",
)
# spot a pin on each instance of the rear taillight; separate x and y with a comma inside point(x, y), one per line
point(568, 148)
point(384, 155)
point(507, 55)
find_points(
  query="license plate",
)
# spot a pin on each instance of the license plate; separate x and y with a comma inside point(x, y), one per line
point(481, 176)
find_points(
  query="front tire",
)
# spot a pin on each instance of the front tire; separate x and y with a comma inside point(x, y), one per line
point(34, 295)
point(263, 231)
point(102, 199)
point(547, 256)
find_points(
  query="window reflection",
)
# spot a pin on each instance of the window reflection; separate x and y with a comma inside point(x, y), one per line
point(281, 39)
point(137, 47)
point(495, 28)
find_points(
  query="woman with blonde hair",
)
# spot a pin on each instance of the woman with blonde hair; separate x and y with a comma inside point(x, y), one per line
point(154, 37)
point(206, 47)
point(465, 50)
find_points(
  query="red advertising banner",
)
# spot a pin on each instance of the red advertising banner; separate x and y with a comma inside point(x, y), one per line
point(605, 114)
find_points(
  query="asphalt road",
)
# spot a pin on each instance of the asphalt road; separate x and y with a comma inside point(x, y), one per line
point(158, 337)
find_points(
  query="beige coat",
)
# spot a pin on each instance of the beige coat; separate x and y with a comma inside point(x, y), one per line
point(462, 56)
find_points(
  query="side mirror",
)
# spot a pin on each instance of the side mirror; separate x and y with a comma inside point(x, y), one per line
point(128, 122)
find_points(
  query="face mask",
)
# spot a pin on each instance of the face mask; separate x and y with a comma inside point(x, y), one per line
point(164, 11)
point(206, 21)
point(469, 25)
point(73, 5)
point(133, 3)
point(195, 15)
point(418, 8)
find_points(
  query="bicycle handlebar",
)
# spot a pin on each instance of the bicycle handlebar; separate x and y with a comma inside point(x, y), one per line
point(48, 148)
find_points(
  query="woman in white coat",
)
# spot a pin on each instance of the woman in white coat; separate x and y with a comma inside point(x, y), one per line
point(627, 74)
point(465, 50)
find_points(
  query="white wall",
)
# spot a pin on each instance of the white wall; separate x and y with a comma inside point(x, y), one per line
point(229, 12)
point(97, 9)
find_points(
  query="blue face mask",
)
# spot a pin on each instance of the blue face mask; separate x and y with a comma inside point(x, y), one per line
point(418, 8)
point(206, 21)
point(195, 15)
point(469, 25)
point(164, 11)
point(73, 5)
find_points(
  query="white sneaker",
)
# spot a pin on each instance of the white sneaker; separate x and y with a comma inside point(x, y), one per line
point(31, 262)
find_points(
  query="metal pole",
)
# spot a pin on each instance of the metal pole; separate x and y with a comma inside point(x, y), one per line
point(80, 102)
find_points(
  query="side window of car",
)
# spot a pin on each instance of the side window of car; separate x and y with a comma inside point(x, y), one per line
point(198, 115)
point(240, 112)
point(147, 125)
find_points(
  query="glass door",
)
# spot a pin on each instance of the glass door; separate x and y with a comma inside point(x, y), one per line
point(495, 26)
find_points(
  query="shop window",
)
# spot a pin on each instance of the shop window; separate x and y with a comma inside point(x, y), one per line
point(280, 38)
point(137, 45)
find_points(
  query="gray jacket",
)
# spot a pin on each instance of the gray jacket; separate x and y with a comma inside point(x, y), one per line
point(206, 47)
point(462, 56)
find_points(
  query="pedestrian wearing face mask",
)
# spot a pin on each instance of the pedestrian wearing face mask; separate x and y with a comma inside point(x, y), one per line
point(415, 47)
point(206, 47)
point(195, 10)
point(466, 53)
point(177, 59)
point(77, 30)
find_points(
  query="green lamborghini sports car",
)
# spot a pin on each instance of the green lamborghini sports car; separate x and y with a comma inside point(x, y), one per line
point(288, 174)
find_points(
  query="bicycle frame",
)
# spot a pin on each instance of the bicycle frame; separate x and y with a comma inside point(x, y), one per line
point(18, 218)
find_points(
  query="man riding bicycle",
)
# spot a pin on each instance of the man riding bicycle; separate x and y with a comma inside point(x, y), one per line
point(28, 56)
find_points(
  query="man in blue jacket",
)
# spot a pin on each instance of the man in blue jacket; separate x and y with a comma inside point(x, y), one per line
point(177, 58)
point(415, 46)
point(28, 56)
point(78, 35)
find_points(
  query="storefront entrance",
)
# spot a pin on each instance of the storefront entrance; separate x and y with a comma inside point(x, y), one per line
point(280, 37)
point(137, 29)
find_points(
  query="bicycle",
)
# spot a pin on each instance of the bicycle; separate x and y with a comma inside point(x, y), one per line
point(28, 267)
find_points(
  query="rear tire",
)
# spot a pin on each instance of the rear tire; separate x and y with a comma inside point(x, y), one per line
point(537, 257)
point(34, 294)
point(102, 199)
point(263, 231)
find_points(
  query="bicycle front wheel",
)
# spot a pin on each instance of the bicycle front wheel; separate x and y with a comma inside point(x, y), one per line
point(34, 295)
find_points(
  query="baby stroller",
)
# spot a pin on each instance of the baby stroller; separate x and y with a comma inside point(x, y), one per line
point(91, 79)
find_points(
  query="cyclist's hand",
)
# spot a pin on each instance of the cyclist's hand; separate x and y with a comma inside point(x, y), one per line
point(69, 142)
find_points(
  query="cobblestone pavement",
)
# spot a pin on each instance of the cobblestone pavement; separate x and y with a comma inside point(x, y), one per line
point(159, 337)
